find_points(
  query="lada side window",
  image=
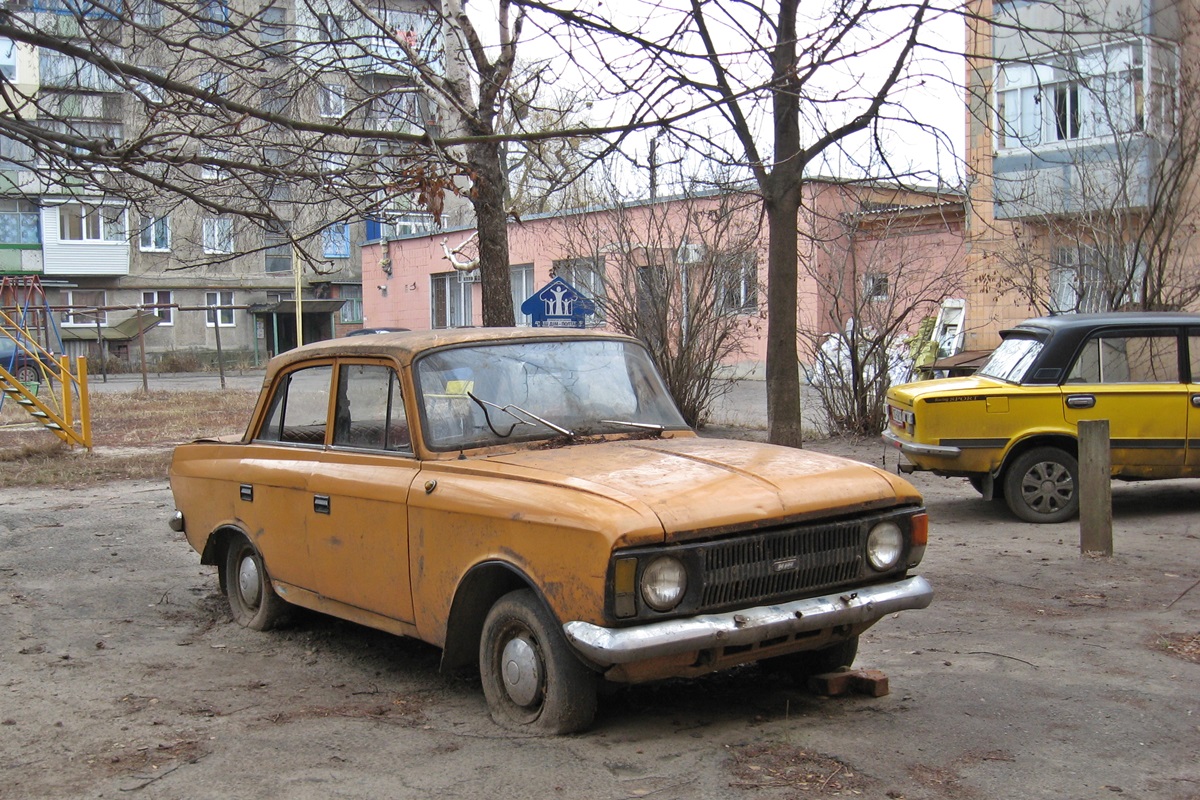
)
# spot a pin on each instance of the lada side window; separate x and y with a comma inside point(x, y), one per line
point(370, 409)
point(1127, 359)
point(299, 408)
point(1194, 355)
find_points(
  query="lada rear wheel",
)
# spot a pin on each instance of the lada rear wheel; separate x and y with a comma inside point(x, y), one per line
point(1042, 485)
point(248, 587)
point(531, 679)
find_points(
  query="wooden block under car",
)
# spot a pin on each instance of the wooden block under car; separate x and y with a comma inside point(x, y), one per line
point(871, 682)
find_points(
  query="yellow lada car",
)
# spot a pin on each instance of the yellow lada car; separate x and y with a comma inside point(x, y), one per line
point(1012, 427)
point(531, 502)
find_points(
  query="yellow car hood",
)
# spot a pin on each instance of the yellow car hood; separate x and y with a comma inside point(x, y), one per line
point(701, 486)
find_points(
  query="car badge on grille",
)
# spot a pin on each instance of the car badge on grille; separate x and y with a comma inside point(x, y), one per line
point(785, 564)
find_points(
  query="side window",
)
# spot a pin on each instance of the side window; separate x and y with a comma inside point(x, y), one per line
point(1127, 359)
point(370, 409)
point(299, 409)
point(1194, 351)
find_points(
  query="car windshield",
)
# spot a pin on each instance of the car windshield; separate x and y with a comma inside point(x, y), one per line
point(486, 394)
point(1010, 361)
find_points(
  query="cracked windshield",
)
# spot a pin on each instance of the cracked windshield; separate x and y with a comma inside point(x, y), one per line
point(490, 394)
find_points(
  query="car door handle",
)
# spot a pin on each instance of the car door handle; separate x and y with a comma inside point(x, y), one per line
point(1081, 400)
point(321, 503)
point(1196, 400)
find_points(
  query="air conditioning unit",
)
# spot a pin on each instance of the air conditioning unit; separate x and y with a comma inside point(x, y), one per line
point(469, 276)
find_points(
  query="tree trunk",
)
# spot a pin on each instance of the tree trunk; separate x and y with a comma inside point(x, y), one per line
point(491, 220)
point(783, 366)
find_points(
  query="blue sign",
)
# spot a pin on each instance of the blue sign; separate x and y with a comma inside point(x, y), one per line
point(558, 305)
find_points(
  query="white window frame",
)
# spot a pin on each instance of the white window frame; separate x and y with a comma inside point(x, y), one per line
point(223, 316)
point(155, 234)
point(218, 236)
point(523, 287)
point(331, 100)
point(151, 297)
point(352, 307)
point(456, 297)
point(98, 223)
point(10, 60)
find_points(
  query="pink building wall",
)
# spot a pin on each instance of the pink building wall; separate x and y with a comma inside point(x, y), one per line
point(403, 297)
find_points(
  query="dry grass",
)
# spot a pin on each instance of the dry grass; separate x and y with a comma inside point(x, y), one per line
point(133, 434)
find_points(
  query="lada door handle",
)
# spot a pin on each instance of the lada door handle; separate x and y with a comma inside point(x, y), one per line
point(1081, 400)
point(1196, 400)
point(321, 503)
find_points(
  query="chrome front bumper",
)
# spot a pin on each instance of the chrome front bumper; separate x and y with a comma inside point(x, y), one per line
point(608, 646)
point(918, 449)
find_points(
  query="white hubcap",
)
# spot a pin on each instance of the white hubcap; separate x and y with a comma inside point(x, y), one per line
point(522, 671)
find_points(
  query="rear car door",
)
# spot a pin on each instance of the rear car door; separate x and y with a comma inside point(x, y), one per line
point(1132, 379)
point(358, 528)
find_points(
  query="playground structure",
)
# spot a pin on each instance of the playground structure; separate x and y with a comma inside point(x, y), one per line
point(36, 362)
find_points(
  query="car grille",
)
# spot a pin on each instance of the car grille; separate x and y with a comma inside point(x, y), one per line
point(792, 561)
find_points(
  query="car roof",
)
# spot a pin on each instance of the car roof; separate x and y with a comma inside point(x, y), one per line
point(1069, 322)
point(404, 346)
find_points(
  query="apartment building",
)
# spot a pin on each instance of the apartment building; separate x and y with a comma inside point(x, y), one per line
point(141, 200)
point(1081, 147)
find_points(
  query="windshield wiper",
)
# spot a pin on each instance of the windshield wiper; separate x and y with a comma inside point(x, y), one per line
point(521, 415)
point(645, 426)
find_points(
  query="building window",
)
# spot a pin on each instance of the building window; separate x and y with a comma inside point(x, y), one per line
point(215, 82)
point(332, 100)
point(85, 307)
point(1117, 88)
point(84, 222)
point(875, 287)
point(20, 222)
point(587, 276)
point(521, 276)
point(450, 301)
point(156, 234)
point(8, 59)
point(272, 27)
point(336, 240)
point(277, 246)
point(739, 284)
point(219, 309)
point(330, 28)
point(163, 301)
point(214, 16)
point(218, 235)
point(352, 309)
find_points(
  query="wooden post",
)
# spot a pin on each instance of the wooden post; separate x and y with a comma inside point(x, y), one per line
point(142, 349)
point(220, 353)
point(1095, 488)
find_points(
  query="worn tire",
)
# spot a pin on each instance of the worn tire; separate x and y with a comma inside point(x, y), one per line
point(800, 666)
point(27, 373)
point(532, 680)
point(1042, 485)
point(247, 585)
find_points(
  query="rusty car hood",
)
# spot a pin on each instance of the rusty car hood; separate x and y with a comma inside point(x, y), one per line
point(701, 486)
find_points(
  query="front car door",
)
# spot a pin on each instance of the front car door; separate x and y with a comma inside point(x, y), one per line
point(358, 525)
point(1132, 379)
point(1193, 432)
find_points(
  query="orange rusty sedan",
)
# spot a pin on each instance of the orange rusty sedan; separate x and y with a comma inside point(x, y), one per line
point(531, 502)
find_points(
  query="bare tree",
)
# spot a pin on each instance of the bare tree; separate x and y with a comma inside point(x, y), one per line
point(679, 274)
point(758, 68)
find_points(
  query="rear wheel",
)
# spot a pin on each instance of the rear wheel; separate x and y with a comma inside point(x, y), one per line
point(531, 679)
point(1042, 485)
point(247, 585)
point(27, 373)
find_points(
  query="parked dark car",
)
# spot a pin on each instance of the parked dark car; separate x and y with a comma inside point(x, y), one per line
point(21, 365)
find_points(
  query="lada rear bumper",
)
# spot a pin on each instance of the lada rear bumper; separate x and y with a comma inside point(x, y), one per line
point(919, 449)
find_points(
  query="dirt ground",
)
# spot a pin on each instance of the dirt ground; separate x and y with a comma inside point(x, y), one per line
point(1036, 673)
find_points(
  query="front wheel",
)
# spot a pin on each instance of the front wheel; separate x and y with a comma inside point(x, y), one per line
point(531, 679)
point(247, 585)
point(1042, 485)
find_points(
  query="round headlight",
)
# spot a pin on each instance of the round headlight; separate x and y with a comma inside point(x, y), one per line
point(663, 583)
point(885, 543)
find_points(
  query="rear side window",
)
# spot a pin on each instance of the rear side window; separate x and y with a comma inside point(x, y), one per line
point(1012, 359)
point(299, 409)
point(1127, 359)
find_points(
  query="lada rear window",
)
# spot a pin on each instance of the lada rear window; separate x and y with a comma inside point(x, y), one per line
point(1011, 360)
